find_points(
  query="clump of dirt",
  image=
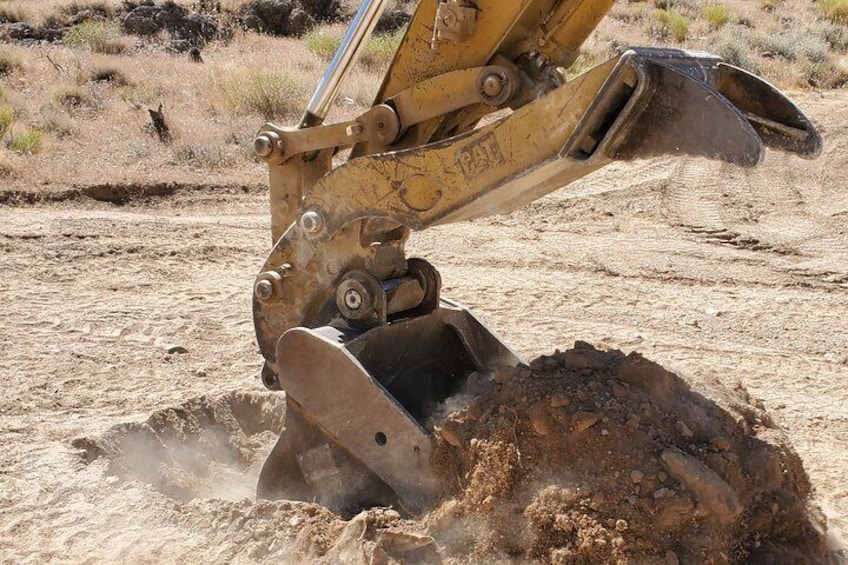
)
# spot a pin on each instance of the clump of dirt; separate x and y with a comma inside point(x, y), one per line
point(592, 456)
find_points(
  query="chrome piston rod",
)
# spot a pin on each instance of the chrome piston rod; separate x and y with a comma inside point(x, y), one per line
point(354, 42)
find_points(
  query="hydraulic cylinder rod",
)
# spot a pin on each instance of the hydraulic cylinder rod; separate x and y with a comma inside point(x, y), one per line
point(354, 41)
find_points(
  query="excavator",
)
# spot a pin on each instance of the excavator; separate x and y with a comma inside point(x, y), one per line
point(475, 117)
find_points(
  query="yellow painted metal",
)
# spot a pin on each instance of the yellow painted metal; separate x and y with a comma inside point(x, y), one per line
point(504, 28)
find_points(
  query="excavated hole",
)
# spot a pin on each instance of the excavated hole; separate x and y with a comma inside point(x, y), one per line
point(207, 447)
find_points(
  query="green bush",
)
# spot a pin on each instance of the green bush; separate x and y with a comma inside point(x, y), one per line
point(671, 24)
point(380, 50)
point(717, 15)
point(835, 10)
point(7, 115)
point(29, 142)
point(322, 44)
point(100, 37)
point(268, 94)
point(377, 55)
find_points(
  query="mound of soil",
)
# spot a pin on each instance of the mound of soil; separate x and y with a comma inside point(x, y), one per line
point(585, 456)
point(592, 456)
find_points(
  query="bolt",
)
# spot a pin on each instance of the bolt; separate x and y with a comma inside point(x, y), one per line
point(264, 289)
point(312, 222)
point(353, 299)
point(263, 146)
point(492, 86)
point(449, 20)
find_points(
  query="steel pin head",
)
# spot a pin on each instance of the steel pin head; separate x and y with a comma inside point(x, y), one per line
point(263, 146)
point(264, 289)
point(312, 222)
point(353, 299)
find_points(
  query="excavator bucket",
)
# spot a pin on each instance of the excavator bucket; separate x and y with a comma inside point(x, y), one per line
point(358, 335)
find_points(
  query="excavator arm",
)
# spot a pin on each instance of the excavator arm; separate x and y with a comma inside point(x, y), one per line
point(356, 333)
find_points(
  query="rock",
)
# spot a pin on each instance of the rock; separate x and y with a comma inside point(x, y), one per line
point(541, 421)
point(721, 443)
point(559, 400)
point(21, 31)
point(711, 491)
point(176, 349)
point(636, 476)
point(142, 21)
point(391, 21)
point(621, 525)
point(582, 421)
point(683, 429)
point(450, 433)
point(287, 17)
point(671, 558)
point(174, 18)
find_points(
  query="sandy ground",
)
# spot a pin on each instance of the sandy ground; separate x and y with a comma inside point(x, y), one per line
point(707, 270)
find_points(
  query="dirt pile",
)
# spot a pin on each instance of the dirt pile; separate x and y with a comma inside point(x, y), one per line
point(585, 456)
point(591, 456)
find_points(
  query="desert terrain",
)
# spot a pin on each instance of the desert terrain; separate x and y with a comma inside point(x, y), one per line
point(125, 308)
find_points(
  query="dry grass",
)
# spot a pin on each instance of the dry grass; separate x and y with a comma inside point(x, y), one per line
point(7, 115)
point(9, 63)
point(835, 10)
point(93, 97)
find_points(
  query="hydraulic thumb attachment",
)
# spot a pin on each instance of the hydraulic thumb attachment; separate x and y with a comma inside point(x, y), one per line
point(358, 335)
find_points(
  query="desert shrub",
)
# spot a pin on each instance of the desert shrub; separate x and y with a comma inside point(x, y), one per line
point(322, 43)
point(3, 93)
point(269, 94)
point(7, 115)
point(628, 12)
point(112, 75)
point(9, 63)
point(380, 50)
point(717, 15)
point(75, 98)
point(670, 24)
point(824, 74)
point(28, 142)
point(736, 53)
point(7, 170)
point(835, 35)
point(55, 122)
point(584, 62)
point(203, 156)
point(99, 36)
point(814, 49)
point(835, 10)
point(782, 45)
point(9, 15)
point(98, 7)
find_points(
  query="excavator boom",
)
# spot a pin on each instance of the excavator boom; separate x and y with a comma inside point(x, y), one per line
point(356, 333)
